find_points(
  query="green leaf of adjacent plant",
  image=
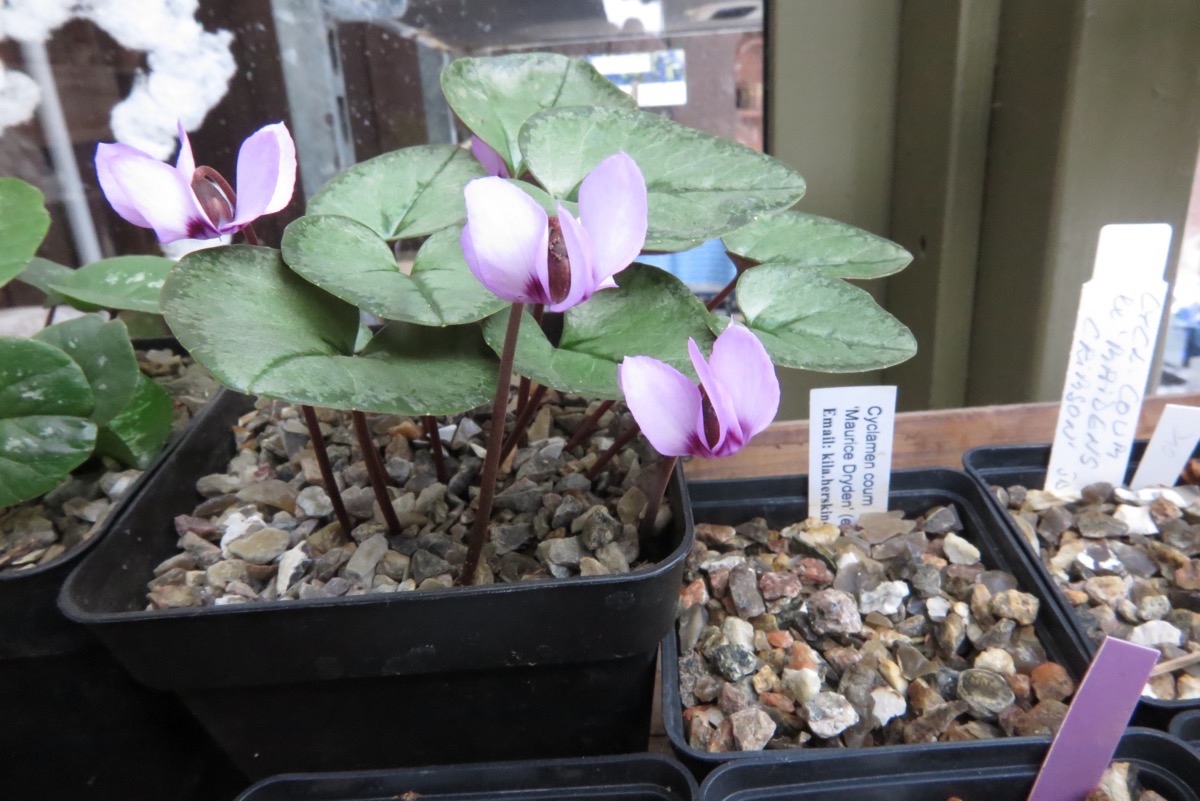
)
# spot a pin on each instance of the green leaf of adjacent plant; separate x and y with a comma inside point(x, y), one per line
point(652, 313)
point(136, 435)
point(405, 193)
point(808, 320)
point(123, 282)
point(24, 222)
point(240, 312)
point(260, 328)
point(44, 398)
point(404, 369)
point(349, 260)
point(494, 96)
point(144, 326)
point(806, 240)
point(700, 186)
point(102, 350)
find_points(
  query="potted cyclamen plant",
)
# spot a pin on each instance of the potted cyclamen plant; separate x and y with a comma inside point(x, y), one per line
point(351, 669)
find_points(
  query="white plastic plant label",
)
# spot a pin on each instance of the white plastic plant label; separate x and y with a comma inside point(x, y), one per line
point(1113, 348)
point(850, 443)
point(1170, 447)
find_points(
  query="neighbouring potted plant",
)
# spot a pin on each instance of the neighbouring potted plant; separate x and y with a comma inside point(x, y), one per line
point(1158, 765)
point(81, 424)
point(637, 777)
point(854, 644)
point(297, 667)
point(1101, 554)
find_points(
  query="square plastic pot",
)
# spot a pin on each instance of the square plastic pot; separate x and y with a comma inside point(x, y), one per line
point(1003, 772)
point(643, 777)
point(1026, 465)
point(781, 501)
point(72, 722)
point(535, 669)
point(1186, 726)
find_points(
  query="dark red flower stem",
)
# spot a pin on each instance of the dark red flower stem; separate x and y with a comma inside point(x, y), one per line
point(523, 387)
point(522, 422)
point(331, 487)
point(588, 425)
point(251, 236)
point(491, 464)
point(616, 448)
point(666, 466)
point(435, 445)
point(742, 264)
point(375, 470)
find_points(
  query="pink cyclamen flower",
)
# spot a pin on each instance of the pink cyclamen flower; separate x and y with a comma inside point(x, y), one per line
point(492, 161)
point(523, 255)
point(738, 397)
point(190, 202)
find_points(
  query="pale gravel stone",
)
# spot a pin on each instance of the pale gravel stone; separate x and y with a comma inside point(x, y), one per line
point(1156, 632)
point(959, 551)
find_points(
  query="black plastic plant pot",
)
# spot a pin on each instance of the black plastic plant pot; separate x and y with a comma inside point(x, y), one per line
point(644, 777)
point(782, 501)
point(537, 669)
point(30, 623)
point(1004, 771)
point(75, 726)
point(1026, 465)
point(1186, 726)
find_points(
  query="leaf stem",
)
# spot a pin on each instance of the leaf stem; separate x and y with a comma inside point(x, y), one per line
point(588, 425)
point(435, 445)
point(666, 466)
point(522, 422)
point(375, 470)
point(331, 487)
point(616, 448)
point(491, 464)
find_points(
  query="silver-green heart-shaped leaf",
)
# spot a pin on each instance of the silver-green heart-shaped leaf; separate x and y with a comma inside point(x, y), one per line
point(44, 433)
point(700, 186)
point(405, 369)
point(124, 282)
point(261, 328)
point(137, 434)
point(349, 260)
point(495, 96)
point(405, 193)
point(240, 311)
point(806, 240)
point(102, 350)
point(808, 320)
point(44, 274)
point(24, 222)
point(651, 313)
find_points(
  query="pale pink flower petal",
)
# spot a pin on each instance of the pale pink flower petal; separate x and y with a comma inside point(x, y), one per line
point(492, 161)
point(664, 403)
point(505, 240)
point(613, 209)
point(185, 162)
point(266, 175)
point(150, 194)
point(743, 368)
point(730, 439)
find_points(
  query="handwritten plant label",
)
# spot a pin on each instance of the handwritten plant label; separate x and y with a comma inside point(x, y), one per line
point(1115, 334)
point(851, 431)
point(1170, 447)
